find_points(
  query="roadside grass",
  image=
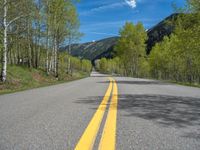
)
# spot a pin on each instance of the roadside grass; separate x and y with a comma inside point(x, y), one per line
point(22, 78)
point(186, 84)
point(178, 83)
point(170, 81)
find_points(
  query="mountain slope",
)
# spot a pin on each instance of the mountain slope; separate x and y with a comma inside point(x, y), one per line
point(105, 47)
point(92, 50)
point(157, 33)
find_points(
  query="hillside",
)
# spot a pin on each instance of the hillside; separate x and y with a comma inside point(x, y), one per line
point(22, 78)
point(92, 50)
point(156, 33)
point(104, 47)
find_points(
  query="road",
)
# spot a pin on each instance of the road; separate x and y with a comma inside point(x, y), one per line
point(102, 113)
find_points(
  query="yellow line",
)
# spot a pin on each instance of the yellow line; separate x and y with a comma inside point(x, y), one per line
point(108, 138)
point(87, 140)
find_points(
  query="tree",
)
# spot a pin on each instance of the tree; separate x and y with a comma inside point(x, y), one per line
point(73, 33)
point(9, 17)
point(60, 10)
point(131, 47)
point(32, 30)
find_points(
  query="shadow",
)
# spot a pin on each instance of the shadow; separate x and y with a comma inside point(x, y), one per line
point(164, 110)
point(97, 76)
point(142, 82)
point(192, 135)
point(93, 101)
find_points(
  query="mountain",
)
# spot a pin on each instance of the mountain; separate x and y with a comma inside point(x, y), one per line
point(93, 50)
point(105, 47)
point(157, 33)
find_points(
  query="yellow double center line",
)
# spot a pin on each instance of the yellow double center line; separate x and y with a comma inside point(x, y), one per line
point(108, 139)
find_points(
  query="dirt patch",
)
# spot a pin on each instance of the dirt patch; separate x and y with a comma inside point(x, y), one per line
point(38, 77)
point(10, 84)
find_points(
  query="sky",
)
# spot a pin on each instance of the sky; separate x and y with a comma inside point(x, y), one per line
point(101, 19)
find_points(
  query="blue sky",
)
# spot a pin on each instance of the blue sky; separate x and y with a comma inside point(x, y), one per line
point(103, 18)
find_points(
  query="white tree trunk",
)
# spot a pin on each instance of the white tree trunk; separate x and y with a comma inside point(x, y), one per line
point(51, 64)
point(55, 56)
point(5, 43)
point(47, 53)
point(69, 61)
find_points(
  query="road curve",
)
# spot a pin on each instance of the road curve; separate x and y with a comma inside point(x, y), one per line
point(147, 115)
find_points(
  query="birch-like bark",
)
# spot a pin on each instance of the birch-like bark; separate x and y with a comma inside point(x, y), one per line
point(47, 40)
point(29, 45)
point(5, 43)
point(47, 54)
point(6, 25)
point(69, 60)
point(56, 58)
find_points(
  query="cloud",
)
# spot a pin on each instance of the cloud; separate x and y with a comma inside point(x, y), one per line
point(110, 6)
point(102, 33)
point(131, 3)
point(104, 7)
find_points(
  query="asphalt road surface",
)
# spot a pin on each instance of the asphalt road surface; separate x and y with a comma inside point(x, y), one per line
point(102, 113)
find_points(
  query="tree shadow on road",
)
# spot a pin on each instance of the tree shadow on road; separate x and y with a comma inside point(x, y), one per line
point(93, 101)
point(143, 82)
point(164, 110)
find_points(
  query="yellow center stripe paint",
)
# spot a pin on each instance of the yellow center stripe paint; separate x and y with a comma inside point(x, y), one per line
point(108, 139)
point(87, 140)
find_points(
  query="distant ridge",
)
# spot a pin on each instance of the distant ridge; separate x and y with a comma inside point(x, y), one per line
point(157, 33)
point(94, 50)
point(105, 47)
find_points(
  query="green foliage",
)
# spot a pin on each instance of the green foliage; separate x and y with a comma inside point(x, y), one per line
point(111, 66)
point(131, 47)
point(86, 65)
point(76, 65)
point(176, 58)
point(103, 64)
point(36, 31)
point(22, 78)
point(193, 5)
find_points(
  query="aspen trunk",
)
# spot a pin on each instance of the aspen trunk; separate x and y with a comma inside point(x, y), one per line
point(5, 43)
point(29, 46)
point(55, 57)
point(47, 52)
point(69, 61)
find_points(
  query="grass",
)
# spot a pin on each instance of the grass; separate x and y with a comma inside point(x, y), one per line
point(186, 84)
point(179, 83)
point(22, 78)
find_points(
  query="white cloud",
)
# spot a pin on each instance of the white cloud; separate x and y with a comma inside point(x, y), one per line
point(131, 3)
point(110, 6)
point(103, 8)
point(103, 33)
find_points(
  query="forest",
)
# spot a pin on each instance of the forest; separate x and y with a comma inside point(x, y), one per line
point(32, 32)
point(176, 58)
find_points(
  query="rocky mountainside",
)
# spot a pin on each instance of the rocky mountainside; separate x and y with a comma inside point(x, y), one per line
point(157, 33)
point(94, 50)
point(105, 47)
